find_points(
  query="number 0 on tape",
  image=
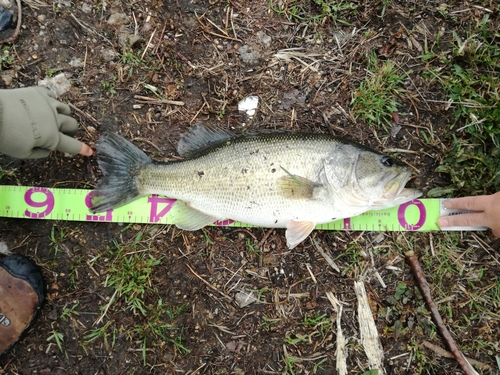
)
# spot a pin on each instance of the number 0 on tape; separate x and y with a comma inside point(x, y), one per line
point(73, 205)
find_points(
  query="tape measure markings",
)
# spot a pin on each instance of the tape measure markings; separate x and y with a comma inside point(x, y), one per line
point(73, 205)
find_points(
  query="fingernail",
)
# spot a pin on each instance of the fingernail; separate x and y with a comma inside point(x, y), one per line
point(443, 222)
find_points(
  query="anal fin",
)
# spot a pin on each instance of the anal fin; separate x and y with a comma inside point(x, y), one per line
point(297, 231)
point(190, 218)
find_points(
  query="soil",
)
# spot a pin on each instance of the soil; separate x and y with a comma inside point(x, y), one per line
point(209, 55)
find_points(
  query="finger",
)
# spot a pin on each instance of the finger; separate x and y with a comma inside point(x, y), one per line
point(478, 203)
point(473, 219)
point(59, 106)
point(69, 144)
point(62, 108)
point(86, 150)
point(44, 90)
point(68, 125)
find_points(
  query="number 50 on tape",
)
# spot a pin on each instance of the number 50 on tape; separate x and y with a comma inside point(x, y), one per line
point(73, 205)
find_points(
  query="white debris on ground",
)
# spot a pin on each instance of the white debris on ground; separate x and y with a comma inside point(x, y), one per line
point(368, 330)
point(341, 351)
point(244, 298)
point(249, 105)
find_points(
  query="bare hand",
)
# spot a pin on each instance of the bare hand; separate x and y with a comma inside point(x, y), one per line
point(487, 213)
point(86, 150)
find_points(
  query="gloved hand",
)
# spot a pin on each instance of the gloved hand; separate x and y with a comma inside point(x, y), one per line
point(33, 122)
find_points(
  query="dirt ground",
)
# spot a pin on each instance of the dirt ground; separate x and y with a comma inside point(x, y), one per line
point(204, 57)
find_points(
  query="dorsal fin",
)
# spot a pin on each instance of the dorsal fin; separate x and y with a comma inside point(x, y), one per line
point(200, 138)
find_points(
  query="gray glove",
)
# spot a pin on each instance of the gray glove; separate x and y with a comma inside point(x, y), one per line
point(33, 122)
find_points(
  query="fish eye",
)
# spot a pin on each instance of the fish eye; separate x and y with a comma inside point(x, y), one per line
point(387, 161)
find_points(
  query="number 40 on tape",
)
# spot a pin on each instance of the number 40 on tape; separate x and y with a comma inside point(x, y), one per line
point(73, 205)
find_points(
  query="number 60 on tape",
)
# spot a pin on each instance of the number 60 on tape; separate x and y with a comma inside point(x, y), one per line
point(73, 205)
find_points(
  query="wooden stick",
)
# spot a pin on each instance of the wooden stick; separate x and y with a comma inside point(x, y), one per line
point(418, 273)
point(447, 354)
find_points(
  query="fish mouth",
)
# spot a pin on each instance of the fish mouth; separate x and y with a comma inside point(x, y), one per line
point(396, 192)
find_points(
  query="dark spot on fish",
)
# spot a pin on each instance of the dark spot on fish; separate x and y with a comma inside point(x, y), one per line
point(275, 221)
point(201, 174)
point(244, 170)
point(248, 187)
point(254, 152)
point(273, 170)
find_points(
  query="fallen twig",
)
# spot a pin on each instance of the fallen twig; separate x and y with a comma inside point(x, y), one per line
point(85, 114)
point(327, 257)
point(418, 273)
point(444, 353)
point(210, 286)
point(148, 100)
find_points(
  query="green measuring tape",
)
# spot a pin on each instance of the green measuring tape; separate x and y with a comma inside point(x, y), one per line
point(73, 205)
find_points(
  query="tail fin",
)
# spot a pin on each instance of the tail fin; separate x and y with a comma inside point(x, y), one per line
point(120, 162)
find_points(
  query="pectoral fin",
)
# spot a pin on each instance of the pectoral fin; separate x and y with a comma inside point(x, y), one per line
point(297, 231)
point(296, 187)
point(190, 218)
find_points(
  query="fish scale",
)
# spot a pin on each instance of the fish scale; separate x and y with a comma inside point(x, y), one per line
point(241, 182)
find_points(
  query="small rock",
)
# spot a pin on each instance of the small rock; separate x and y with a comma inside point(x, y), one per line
point(7, 76)
point(76, 62)
point(59, 84)
point(118, 19)
point(87, 8)
point(395, 128)
point(264, 38)
point(127, 39)
point(108, 54)
point(248, 55)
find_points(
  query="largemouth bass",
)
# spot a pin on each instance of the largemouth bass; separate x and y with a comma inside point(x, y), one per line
point(281, 180)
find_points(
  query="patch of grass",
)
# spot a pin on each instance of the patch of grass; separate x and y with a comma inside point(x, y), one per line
point(58, 338)
point(269, 324)
point(376, 98)
point(73, 274)
point(57, 238)
point(353, 259)
point(6, 60)
point(470, 77)
point(316, 12)
point(108, 86)
point(129, 275)
point(133, 61)
point(51, 72)
point(107, 333)
point(70, 311)
point(7, 172)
